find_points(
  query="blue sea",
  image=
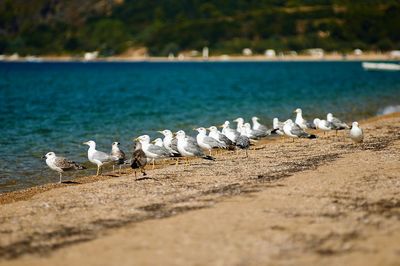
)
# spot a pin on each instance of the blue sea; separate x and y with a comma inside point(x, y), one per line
point(57, 106)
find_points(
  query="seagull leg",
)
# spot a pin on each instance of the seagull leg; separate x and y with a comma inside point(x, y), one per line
point(113, 168)
point(247, 155)
point(120, 166)
point(135, 173)
point(60, 178)
point(98, 170)
point(177, 161)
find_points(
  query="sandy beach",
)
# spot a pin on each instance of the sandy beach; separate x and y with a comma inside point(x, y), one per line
point(325, 201)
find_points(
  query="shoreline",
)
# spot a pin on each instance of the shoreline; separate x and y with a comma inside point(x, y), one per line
point(26, 193)
point(306, 198)
point(221, 58)
point(307, 201)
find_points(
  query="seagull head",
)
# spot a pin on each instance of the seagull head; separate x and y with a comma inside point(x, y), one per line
point(115, 144)
point(247, 126)
point(297, 111)
point(166, 132)
point(213, 129)
point(354, 124)
point(201, 130)
point(49, 155)
point(316, 121)
point(239, 120)
point(254, 119)
point(329, 117)
point(90, 143)
point(180, 134)
point(144, 139)
point(158, 142)
point(225, 125)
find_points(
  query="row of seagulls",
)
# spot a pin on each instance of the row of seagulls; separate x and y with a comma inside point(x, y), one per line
point(180, 144)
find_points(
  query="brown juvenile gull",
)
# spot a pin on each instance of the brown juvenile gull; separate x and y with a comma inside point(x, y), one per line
point(139, 159)
point(61, 164)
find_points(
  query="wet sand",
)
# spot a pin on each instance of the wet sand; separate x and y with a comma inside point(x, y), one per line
point(324, 201)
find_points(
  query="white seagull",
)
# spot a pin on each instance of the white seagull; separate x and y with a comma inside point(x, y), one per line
point(97, 157)
point(301, 121)
point(152, 151)
point(188, 147)
point(356, 133)
point(229, 132)
point(293, 130)
point(206, 142)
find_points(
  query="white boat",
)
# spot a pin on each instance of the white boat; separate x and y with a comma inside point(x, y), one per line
point(381, 66)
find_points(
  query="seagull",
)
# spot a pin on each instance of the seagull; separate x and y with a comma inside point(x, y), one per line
point(322, 125)
point(206, 142)
point(139, 159)
point(158, 142)
point(278, 126)
point(118, 155)
point(257, 125)
point(214, 133)
point(229, 132)
point(254, 134)
point(189, 148)
point(243, 142)
point(170, 142)
point(152, 151)
point(97, 157)
point(293, 130)
point(240, 122)
point(356, 133)
point(60, 164)
point(301, 121)
point(336, 123)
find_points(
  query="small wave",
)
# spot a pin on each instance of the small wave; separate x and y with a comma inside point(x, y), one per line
point(389, 110)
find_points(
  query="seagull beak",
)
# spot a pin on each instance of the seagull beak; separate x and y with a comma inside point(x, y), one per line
point(43, 157)
point(136, 139)
point(221, 126)
point(85, 143)
point(160, 131)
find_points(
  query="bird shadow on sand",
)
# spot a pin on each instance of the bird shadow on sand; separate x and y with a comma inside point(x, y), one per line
point(145, 178)
point(69, 182)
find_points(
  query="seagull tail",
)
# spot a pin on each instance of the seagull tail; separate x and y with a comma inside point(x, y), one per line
point(208, 157)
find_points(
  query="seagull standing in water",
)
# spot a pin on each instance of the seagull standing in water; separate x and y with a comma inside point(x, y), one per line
point(301, 121)
point(188, 147)
point(60, 164)
point(356, 133)
point(206, 142)
point(97, 157)
point(118, 155)
point(293, 130)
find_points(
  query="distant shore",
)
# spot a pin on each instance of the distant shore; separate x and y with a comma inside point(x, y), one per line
point(217, 58)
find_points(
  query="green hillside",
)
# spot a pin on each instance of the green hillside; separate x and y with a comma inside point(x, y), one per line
point(226, 26)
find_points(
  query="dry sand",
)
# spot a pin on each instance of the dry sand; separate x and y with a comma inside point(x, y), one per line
point(325, 201)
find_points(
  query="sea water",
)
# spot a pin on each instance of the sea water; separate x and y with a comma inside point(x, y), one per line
point(57, 106)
